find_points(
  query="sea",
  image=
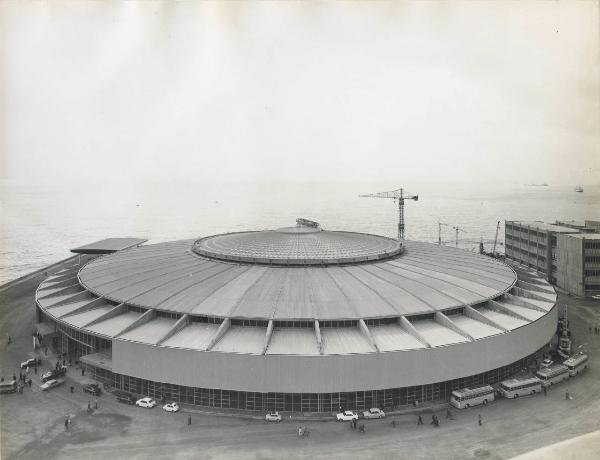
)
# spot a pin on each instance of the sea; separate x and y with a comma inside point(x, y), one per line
point(40, 223)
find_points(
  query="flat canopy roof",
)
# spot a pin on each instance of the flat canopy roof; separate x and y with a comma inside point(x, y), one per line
point(108, 245)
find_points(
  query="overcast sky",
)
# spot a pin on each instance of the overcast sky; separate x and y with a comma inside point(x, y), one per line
point(312, 91)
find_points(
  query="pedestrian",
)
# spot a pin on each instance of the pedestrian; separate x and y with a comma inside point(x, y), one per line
point(567, 395)
point(190, 422)
point(590, 329)
point(72, 389)
point(1, 379)
point(35, 370)
point(46, 351)
point(89, 406)
point(27, 370)
point(20, 376)
point(9, 339)
point(420, 421)
point(82, 371)
point(29, 382)
point(64, 363)
point(95, 403)
point(448, 414)
point(480, 420)
point(67, 423)
point(545, 391)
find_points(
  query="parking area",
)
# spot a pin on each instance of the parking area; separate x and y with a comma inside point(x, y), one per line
point(32, 423)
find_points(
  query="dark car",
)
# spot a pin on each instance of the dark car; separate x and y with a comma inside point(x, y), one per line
point(53, 374)
point(124, 397)
point(92, 388)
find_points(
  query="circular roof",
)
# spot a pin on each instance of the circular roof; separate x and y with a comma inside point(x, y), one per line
point(298, 245)
point(424, 279)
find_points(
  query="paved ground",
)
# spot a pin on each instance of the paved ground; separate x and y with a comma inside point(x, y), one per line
point(32, 424)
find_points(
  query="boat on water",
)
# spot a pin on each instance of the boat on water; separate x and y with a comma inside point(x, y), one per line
point(579, 189)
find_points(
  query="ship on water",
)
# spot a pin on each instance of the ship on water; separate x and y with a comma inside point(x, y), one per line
point(579, 189)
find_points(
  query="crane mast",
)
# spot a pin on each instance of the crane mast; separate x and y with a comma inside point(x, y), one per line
point(496, 239)
point(399, 195)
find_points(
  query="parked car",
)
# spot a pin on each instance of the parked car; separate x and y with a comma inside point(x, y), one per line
point(92, 388)
point(53, 374)
point(30, 363)
point(374, 413)
point(124, 397)
point(146, 402)
point(273, 417)
point(171, 407)
point(346, 416)
point(51, 384)
point(547, 362)
point(596, 297)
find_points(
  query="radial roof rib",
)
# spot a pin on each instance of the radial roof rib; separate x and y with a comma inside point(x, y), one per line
point(364, 329)
point(144, 318)
point(534, 287)
point(72, 289)
point(522, 302)
point(394, 290)
point(187, 299)
point(408, 327)
point(158, 280)
point(87, 306)
point(477, 289)
point(225, 325)
point(117, 310)
point(175, 292)
point(446, 288)
point(268, 335)
point(225, 301)
point(544, 297)
point(474, 314)
point(178, 326)
point(447, 322)
point(81, 295)
point(318, 337)
point(502, 309)
point(61, 284)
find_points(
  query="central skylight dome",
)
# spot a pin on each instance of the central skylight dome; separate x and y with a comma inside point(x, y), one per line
point(304, 244)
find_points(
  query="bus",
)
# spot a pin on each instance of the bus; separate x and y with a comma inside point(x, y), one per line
point(576, 364)
point(468, 397)
point(8, 387)
point(514, 388)
point(553, 374)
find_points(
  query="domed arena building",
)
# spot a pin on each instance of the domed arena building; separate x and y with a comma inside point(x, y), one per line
point(296, 319)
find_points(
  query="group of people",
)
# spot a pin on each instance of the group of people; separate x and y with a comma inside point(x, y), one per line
point(435, 421)
point(596, 330)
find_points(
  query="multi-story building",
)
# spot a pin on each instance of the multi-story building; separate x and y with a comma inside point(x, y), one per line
point(579, 263)
point(565, 253)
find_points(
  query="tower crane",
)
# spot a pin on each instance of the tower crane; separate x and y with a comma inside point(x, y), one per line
point(399, 195)
point(458, 229)
point(440, 231)
point(496, 239)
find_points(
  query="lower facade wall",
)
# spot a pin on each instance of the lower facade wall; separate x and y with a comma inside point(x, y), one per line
point(387, 399)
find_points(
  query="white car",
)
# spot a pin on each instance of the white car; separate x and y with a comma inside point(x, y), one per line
point(346, 416)
point(596, 297)
point(546, 363)
point(30, 363)
point(171, 407)
point(374, 413)
point(273, 417)
point(146, 402)
point(51, 384)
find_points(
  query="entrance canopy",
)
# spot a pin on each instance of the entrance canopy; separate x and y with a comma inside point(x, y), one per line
point(108, 245)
